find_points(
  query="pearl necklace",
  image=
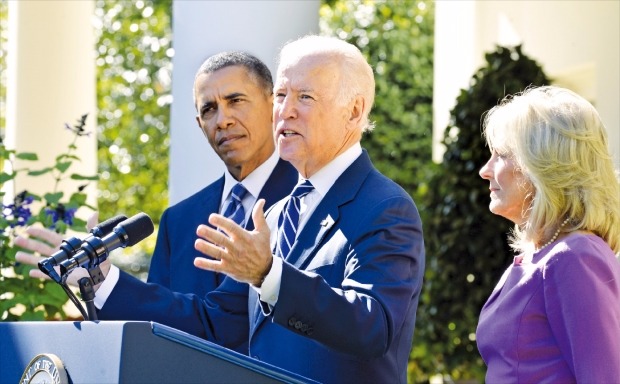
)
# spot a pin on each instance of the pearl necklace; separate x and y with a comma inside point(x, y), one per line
point(555, 235)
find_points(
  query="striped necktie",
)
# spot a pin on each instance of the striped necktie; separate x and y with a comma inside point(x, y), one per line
point(289, 218)
point(234, 209)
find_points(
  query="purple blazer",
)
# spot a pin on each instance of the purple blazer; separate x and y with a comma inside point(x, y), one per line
point(555, 319)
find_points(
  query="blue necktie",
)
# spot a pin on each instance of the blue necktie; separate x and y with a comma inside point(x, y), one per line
point(289, 219)
point(234, 209)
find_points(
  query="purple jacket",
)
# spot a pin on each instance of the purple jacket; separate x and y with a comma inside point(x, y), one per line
point(555, 319)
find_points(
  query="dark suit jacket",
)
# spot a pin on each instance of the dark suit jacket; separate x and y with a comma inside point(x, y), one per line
point(172, 264)
point(348, 294)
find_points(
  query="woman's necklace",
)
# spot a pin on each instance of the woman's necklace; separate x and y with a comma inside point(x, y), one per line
point(555, 235)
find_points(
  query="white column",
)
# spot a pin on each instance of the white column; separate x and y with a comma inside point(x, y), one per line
point(51, 81)
point(576, 42)
point(454, 61)
point(201, 29)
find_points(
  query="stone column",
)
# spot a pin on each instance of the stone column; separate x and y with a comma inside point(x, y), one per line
point(51, 81)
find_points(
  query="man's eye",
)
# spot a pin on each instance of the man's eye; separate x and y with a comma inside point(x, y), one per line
point(207, 110)
point(306, 97)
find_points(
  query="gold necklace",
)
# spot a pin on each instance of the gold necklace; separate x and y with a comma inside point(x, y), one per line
point(555, 235)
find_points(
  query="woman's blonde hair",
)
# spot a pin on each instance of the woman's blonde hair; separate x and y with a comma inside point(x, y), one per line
point(560, 144)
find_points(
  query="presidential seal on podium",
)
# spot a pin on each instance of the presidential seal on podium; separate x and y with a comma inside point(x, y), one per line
point(45, 368)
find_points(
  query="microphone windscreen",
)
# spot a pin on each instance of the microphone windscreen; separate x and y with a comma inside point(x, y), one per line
point(107, 226)
point(137, 228)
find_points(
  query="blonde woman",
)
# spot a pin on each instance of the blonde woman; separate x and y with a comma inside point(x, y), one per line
point(554, 316)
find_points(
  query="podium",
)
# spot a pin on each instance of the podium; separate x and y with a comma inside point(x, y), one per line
point(127, 352)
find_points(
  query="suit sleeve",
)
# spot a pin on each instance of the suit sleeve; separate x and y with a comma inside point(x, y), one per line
point(159, 271)
point(366, 295)
point(220, 317)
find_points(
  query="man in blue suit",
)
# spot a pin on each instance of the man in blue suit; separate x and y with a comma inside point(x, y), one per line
point(233, 95)
point(327, 284)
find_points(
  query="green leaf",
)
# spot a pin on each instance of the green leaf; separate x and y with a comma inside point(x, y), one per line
point(63, 166)
point(53, 198)
point(5, 153)
point(4, 177)
point(27, 156)
point(77, 200)
point(67, 156)
point(78, 225)
point(40, 172)
point(75, 176)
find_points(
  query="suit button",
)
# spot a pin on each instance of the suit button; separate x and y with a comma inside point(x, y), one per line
point(310, 331)
point(291, 321)
point(304, 328)
point(298, 325)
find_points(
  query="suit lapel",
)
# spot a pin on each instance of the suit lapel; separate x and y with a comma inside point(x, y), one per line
point(324, 217)
point(212, 200)
point(327, 212)
point(279, 185)
point(313, 233)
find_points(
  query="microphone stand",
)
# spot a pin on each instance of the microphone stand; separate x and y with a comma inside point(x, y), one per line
point(88, 296)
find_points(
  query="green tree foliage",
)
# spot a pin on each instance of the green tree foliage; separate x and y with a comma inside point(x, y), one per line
point(134, 50)
point(466, 244)
point(397, 39)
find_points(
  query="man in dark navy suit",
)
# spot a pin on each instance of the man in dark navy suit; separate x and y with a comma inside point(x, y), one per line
point(233, 95)
point(327, 284)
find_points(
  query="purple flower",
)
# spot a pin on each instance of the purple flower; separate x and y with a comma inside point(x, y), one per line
point(18, 213)
point(61, 213)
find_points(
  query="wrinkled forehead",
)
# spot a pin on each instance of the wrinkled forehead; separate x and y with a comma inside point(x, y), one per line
point(308, 71)
point(296, 59)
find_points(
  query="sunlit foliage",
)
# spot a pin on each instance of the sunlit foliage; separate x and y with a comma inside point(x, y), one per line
point(134, 66)
point(396, 36)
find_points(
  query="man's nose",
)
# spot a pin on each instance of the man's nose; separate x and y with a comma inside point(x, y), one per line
point(224, 118)
point(286, 109)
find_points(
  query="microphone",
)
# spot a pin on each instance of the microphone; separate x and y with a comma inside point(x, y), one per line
point(96, 250)
point(70, 246)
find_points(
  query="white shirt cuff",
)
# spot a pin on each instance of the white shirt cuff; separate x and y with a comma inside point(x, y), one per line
point(105, 289)
point(270, 289)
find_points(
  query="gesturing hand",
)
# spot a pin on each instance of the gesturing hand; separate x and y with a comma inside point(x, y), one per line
point(39, 240)
point(243, 255)
point(42, 243)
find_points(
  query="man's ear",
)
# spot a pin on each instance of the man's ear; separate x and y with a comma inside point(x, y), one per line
point(356, 111)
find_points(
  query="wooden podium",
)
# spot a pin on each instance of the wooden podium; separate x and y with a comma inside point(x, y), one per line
point(123, 352)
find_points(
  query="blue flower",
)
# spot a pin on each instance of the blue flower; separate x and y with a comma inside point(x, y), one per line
point(18, 213)
point(61, 213)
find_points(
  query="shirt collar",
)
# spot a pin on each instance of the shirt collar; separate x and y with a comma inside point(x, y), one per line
point(254, 182)
point(327, 176)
